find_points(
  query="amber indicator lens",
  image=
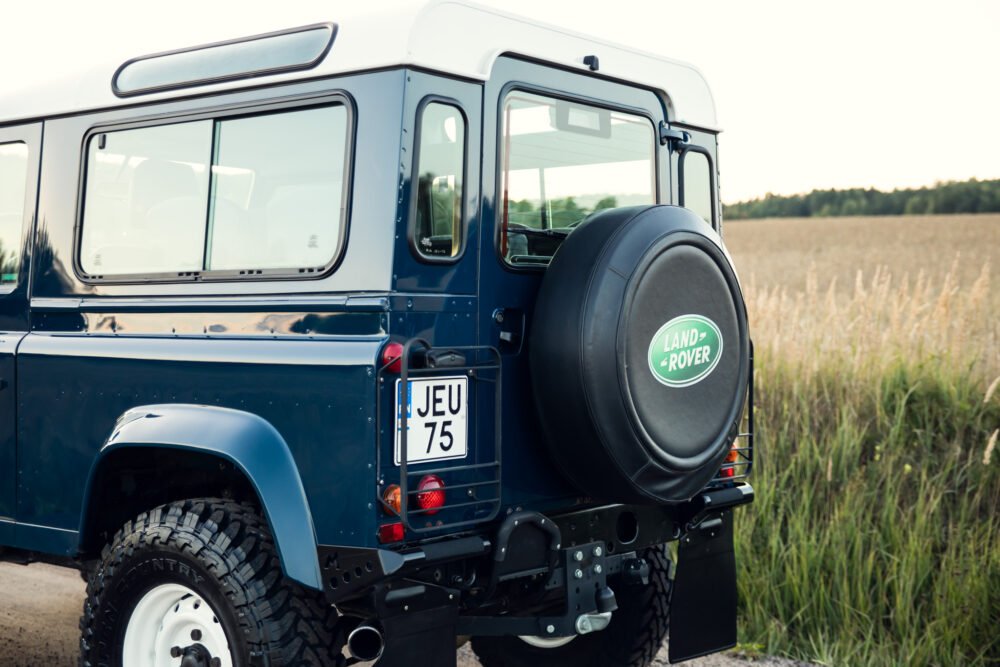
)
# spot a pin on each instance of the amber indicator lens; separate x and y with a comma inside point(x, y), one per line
point(393, 499)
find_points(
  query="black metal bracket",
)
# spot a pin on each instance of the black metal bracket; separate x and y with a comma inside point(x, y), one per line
point(677, 139)
point(583, 572)
point(713, 502)
point(481, 500)
point(349, 572)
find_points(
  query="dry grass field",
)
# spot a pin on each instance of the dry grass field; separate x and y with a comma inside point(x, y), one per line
point(780, 251)
point(875, 537)
point(918, 286)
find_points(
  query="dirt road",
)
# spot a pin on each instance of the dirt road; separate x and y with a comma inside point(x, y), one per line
point(41, 605)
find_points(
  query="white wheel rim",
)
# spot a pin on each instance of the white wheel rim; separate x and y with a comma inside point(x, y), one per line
point(169, 616)
point(546, 642)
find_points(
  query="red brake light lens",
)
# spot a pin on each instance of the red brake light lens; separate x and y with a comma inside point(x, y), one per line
point(390, 532)
point(392, 357)
point(430, 494)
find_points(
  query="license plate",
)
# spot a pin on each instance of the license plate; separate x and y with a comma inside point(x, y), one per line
point(436, 420)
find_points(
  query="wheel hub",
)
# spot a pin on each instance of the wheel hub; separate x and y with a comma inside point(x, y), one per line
point(172, 626)
point(195, 655)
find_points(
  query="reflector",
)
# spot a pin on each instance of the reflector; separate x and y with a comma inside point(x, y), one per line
point(390, 532)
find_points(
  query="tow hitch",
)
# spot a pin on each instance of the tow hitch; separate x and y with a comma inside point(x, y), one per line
point(582, 571)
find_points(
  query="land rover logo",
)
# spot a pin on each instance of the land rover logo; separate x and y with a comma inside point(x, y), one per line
point(685, 350)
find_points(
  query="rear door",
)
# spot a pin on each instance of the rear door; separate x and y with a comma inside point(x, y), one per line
point(557, 147)
point(19, 151)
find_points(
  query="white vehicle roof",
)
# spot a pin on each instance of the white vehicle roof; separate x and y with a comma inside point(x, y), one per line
point(450, 36)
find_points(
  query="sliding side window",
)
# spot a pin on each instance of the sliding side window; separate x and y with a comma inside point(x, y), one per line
point(440, 166)
point(13, 181)
point(252, 195)
point(562, 161)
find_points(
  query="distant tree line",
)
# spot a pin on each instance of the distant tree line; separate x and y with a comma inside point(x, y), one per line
point(973, 196)
point(558, 212)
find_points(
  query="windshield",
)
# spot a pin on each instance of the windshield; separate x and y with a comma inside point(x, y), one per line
point(562, 161)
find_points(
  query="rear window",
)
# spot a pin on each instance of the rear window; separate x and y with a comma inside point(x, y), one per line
point(235, 196)
point(561, 161)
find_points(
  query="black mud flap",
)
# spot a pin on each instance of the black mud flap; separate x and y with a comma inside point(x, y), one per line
point(425, 637)
point(703, 605)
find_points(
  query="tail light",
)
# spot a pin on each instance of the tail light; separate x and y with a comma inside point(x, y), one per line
point(430, 494)
point(393, 499)
point(731, 457)
point(392, 357)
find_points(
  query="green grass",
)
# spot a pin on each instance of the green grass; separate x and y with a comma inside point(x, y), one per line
point(875, 536)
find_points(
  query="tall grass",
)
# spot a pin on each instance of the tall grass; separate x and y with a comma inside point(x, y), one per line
point(875, 537)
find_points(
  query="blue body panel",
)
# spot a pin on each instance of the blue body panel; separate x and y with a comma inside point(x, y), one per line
point(315, 393)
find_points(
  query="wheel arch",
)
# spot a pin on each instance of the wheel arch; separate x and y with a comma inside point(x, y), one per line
point(158, 452)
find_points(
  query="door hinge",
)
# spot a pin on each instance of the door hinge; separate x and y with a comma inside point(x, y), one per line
point(676, 138)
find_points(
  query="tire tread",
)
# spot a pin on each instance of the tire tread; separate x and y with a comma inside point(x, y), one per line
point(283, 623)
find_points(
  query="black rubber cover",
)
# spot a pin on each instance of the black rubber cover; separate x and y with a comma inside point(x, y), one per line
point(617, 430)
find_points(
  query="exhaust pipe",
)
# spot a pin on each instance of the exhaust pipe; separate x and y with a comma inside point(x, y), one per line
point(365, 643)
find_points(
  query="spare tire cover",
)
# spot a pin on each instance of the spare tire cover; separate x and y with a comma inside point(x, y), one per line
point(639, 354)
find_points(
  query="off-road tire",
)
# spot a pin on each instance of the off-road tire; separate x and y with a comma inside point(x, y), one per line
point(224, 551)
point(632, 639)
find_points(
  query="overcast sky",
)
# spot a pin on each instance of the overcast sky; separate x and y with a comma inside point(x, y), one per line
point(884, 93)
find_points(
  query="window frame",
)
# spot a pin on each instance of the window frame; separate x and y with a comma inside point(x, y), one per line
point(557, 94)
point(411, 225)
point(230, 111)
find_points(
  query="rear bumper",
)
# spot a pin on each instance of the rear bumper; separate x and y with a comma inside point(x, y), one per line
point(350, 572)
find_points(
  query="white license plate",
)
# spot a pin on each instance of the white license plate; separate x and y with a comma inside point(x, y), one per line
point(436, 419)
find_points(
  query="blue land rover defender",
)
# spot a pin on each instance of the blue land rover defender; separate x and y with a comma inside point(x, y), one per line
point(349, 343)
